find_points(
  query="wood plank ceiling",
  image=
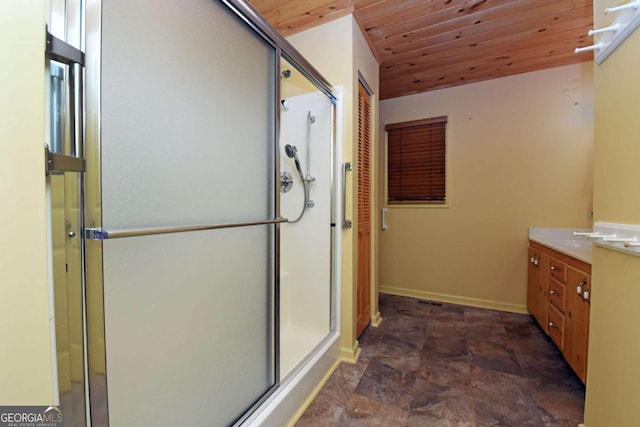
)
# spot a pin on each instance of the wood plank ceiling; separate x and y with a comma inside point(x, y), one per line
point(422, 45)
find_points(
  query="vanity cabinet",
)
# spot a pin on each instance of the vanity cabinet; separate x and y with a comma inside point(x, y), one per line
point(558, 296)
point(538, 286)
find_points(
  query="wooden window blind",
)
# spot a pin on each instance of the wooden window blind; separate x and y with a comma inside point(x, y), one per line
point(416, 161)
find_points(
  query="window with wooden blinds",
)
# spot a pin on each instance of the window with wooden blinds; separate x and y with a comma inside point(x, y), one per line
point(416, 161)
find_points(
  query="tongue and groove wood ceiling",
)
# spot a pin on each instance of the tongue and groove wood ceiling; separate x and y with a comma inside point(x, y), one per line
point(422, 45)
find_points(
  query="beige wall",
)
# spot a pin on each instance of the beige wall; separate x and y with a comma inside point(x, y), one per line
point(519, 155)
point(338, 51)
point(613, 379)
point(25, 349)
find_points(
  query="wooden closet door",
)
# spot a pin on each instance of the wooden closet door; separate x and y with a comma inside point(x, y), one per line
point(364, 210)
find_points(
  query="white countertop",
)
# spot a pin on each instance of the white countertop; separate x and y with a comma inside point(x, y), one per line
point(563, 241)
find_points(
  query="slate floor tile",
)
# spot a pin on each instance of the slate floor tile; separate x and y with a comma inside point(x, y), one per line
point(449, 365)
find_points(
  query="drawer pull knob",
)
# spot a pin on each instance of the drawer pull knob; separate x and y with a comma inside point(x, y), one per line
point(552, 292)
point(554, 268)
point(580, 285)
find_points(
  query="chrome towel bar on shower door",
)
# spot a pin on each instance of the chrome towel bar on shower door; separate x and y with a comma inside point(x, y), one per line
point(100, 234)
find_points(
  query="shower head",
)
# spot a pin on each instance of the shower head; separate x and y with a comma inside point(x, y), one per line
point(292, 152)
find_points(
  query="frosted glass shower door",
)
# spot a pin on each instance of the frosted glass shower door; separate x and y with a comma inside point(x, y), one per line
point(188, 140)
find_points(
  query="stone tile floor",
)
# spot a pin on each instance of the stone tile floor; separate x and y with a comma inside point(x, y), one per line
point(431, 364)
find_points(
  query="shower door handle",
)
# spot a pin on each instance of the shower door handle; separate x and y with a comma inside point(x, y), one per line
point(346, 167)
point(64, 53)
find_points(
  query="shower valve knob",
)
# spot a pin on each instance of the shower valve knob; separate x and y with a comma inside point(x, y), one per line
point(286, 182)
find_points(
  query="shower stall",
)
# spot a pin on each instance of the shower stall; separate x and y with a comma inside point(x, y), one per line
point(209, 246)
point(306, 128)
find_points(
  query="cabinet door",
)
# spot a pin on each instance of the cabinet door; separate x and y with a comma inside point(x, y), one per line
point(543, 291)
point(577, 328)
point(532, 282)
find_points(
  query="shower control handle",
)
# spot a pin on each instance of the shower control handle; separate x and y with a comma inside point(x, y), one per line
point(286, 182)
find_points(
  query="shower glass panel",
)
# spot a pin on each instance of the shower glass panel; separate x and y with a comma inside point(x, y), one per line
point(187, 139)
point(187, 113)
point(189, 327)
point(306, 129)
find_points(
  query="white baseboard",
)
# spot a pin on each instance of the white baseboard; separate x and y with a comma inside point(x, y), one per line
point(474, 302)
point(376, 320)
point(351, 355)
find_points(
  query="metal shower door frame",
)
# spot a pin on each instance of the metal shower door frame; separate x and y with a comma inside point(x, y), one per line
point(94, 234)
point(97, 403)
point(297, 60)
point(64, 167)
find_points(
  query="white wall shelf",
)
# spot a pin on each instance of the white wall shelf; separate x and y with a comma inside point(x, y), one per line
point(613, 35)
point(618, 237)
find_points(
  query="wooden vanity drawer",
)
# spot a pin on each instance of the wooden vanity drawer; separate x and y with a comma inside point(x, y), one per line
point(556, 327)
point(557, 295)
point(558, 270)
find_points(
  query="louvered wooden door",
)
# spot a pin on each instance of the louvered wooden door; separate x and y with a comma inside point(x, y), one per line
point(364, 210)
